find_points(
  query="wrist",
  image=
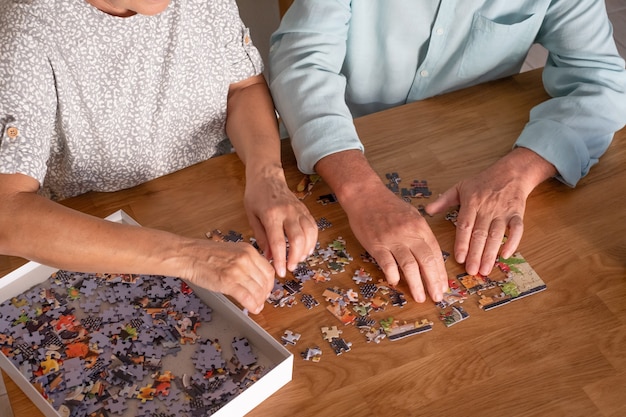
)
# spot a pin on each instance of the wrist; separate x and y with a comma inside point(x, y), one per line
point(529, 166)
point(349, 175)
point(264, 171)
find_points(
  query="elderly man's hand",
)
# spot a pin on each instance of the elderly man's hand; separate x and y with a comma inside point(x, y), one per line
point(492, 205)
point(395, 234)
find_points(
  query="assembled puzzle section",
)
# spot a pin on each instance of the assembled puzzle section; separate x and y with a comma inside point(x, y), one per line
point(511, 280)
point(132, 345)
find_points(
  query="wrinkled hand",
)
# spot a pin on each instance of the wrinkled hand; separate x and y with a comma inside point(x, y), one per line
point(395, 234)
point(275, 212)
point(236, 269)
point(492, 205)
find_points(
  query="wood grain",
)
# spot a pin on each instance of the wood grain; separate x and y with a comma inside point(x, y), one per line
point(558, 353)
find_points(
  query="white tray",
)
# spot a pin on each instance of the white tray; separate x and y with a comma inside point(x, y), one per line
point(226, 318)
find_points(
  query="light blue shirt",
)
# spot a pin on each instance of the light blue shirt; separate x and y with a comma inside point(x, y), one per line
point(332, 60)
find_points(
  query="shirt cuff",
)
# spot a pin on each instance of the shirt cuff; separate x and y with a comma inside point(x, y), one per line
point(559, 145)
point(321, 137)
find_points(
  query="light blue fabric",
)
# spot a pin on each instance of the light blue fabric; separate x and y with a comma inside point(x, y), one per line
point(332, 60)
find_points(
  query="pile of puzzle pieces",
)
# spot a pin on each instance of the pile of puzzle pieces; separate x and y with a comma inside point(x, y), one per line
point(417, 189)
point(349, 306)
point(96, 344)
point(515, 280)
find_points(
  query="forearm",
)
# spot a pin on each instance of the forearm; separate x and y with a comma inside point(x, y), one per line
point(38, 229)
point(252, 128)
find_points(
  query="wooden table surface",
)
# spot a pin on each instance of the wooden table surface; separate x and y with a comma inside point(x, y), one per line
point(561, 352)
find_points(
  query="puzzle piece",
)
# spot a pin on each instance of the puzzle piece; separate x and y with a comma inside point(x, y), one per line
point(368, 290)
point(405, 329)
point(419, 189)
point(304, 187)
point(292, 286)
point(242, 350)
point(331, 333)
point(397, 298)
point(452, 215)
point(361, 276)
point(342, 313)
point(521, 278)
point(340, 346)
point(453, 315)
point(323, 224)
point(290, 338)
point(327, 199)
point(332, 295)
point(116, 406)
point(146, 393)
point(309, 301)
point(313, 354)
point(321, 276)
point(375, 335)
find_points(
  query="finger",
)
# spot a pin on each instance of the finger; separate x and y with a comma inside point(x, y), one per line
point(492, 246)
point(249, 279)
point(433, 272)
point(387, 263)
point(278, 247)
point(259, 234)
point(516, 230)
point(311, 232)
point(464, 228)
point(248, 299)
point(305, 235)
point(261, 272)
point(297, 243)
point(478, 240)
point(411, 269)
point(447, 199)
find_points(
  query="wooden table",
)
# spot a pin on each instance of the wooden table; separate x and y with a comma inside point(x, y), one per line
point(561, 352)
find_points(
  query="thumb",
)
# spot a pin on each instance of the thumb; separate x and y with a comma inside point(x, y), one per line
point(444, 201)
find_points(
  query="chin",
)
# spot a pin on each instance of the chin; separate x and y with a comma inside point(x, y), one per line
point(152, 7)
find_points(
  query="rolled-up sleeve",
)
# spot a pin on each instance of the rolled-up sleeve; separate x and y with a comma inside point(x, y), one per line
point(586, 79)
point(306, 57)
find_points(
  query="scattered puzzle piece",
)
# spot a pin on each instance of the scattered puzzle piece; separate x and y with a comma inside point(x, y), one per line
point(290, 338)
point(453, 315)
point(327, 199)
point(340, 346)
point(331, 333)
point(313, 354)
